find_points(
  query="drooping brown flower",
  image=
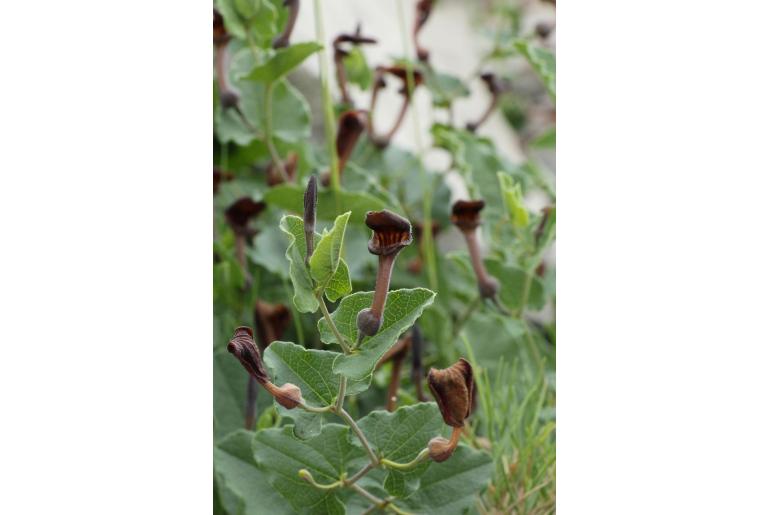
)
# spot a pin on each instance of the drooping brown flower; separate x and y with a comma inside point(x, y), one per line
point(242, 347)
point(351, 125)
point(453, 390)
point(282, 40)
point(495, 87)
point(241, 212)
point(402, 73)
point(221, 37)
point(340, 52)
point(391, 233)
point(220, 177)
point(466, 215)
point(424, 8)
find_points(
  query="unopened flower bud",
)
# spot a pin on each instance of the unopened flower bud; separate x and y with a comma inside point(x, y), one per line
point(453, 390)
point(367, 322)
point(311, 201)
point(289, 395)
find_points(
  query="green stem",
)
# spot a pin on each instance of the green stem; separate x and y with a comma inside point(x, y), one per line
point(313, 409)
point(465, 316)
point(360, 434)
point(427, 191)
point(307, 476)
point(358, 475)
point(340, 339)
point(328, 107)
point(407, 466)
point(341, 394)
point(269, 132)
point(294, 314)
point(379, 503)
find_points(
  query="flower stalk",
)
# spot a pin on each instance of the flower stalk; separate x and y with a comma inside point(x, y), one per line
point(466, 216)
point(282, 40)
point(341, 52)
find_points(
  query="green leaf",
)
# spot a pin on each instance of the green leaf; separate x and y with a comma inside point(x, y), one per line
point(399, 437)
point(450, 487)
point(543, 61)
point(545, 140)
point(304, 298)
point(284, 60)
point(268, 250)
point(512, 284)
point(311, 371)
point(291, 197)
point(339, 285)
point(327, 457)
point(326, 256)
point(356, 70)
point(444, 88)
point(513, 200)
point(402, 309)
point(244, 488)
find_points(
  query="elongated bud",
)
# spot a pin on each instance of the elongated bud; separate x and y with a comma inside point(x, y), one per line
point(242, 347)
point(351, 125)
point(311, 201)
point(453, 390)
point(282, 40)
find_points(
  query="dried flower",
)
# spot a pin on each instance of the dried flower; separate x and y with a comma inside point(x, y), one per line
point(424, 8)
point(351, 125)
point(466, 215)
point(379, 82)
point(495, 88)
point(340, 52)
point(282, 40)
point(453, 390)
point(242, 347)
point(311, 201)
point(391, 234)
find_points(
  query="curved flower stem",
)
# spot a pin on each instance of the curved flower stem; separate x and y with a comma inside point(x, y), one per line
point(465, 316)
point(313, 409)
point(406, 466)
point(360, 434)
point(427, 191)
point(382, 504)
point(307, 476)
point(329, 128)
point(358, 475)
point(269, 132)
point(340, 339)
point(338, 406)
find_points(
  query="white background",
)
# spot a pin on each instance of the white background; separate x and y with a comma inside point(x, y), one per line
point(105, 272)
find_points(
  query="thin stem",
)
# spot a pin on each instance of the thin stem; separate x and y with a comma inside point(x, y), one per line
point(357, 430)
point(269, 132)
point(358, 475)
point(379, 503)
point(294, 314)
point(427, 193)
point(422, 456)
point(307, 476)
point(313, 409)
point(465, 316)
point(395, 379)
point(475, 252)
point(340, 339)
point(341, 394)
point(329, 129)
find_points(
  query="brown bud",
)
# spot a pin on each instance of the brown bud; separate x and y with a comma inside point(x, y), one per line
point(391, 232)
point(351, 125)
point(310, 201)
point(242, 347)
point(453, 390)
point(466, 214)
point(368, 323)
point(543, 29)
point(488, 286)
point(241, 212)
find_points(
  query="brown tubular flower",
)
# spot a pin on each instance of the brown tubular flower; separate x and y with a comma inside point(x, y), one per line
point(220, 177)
point(242, 347)
point(340, 52)
point(379, 83)
point(424, 8)
point(282, 40)
point(273, 172)
point(453, 390)
point(271, 320)
point(238, 216)
point(391, 234)
point(495, 87)
point(351, 125)
point(228, 96)
point(310, 201)
point(466, 215)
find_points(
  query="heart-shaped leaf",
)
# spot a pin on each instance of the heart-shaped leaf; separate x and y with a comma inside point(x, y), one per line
point(284, 61)
point(402, 308)
point(291, 198)
point(326, 257)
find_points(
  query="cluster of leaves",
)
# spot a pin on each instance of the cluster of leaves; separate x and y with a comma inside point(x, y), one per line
point(510, 438)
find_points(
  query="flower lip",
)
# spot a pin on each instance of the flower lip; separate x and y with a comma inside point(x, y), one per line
point(453, 390)
point(466, 214)
point(391, 232)
point(242, 346)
